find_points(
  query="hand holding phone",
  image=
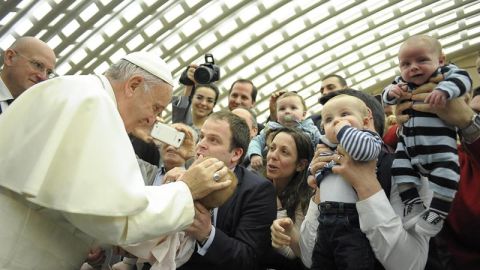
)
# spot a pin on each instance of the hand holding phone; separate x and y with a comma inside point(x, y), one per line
point(167, 134)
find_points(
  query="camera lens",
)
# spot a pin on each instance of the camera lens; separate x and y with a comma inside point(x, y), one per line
point(203, 75)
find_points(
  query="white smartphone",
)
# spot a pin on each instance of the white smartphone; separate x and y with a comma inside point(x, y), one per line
point(167, 134)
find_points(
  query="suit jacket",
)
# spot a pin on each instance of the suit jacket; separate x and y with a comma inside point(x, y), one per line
point(146, 151)
point(242, 234)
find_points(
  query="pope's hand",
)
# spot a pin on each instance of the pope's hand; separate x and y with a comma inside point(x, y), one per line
point(96, 256)
point(199, 177)
point(173, 175)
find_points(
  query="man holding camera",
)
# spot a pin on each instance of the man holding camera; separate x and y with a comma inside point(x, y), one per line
point(242, 93)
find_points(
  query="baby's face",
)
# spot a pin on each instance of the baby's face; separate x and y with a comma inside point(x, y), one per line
point(418, 62)
point(289, 110)
point(345, 108)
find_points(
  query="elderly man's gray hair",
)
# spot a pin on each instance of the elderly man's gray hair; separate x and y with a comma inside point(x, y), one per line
point(123, 69)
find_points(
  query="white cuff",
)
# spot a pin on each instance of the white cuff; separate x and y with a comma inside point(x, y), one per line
point(202, 250)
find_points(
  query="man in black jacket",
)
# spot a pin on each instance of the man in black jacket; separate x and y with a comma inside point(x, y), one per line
point(237, 234)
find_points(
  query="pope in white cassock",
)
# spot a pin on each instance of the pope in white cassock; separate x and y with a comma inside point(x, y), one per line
point(68, 174)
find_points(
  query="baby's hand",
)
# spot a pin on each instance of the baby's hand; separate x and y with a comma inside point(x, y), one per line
point(437, 98)
point(273, 104)
point(396, 91)
point(256, 162)
point(340, 124)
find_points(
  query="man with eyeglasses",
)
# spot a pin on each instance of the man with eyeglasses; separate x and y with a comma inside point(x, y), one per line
point(28, 61)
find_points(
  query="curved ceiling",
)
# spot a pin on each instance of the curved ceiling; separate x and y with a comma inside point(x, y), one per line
point(278, 44)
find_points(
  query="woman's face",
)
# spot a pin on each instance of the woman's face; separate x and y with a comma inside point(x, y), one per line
point(282, 158)
point(203, 101)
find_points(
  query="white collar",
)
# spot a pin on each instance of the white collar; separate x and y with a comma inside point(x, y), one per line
point(4, 92)
point(107, 87)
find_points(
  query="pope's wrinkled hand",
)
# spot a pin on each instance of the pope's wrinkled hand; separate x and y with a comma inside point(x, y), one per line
point(199, 177)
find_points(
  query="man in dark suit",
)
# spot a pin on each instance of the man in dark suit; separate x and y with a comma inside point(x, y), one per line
point(237, 234)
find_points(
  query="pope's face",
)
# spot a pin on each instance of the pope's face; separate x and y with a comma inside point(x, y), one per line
point(145, 106)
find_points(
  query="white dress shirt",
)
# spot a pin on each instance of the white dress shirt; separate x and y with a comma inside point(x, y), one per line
point(4, 96)
point(394, 246)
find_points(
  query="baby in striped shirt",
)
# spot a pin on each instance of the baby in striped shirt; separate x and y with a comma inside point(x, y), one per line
point(427, 146)
point(347, 122)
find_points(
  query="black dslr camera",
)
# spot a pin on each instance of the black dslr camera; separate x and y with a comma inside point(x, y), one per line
point(204, 74)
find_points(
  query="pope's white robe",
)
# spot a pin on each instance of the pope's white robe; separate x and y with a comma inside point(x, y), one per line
point(68, 177)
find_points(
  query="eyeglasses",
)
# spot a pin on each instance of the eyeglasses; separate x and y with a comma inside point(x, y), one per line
point(38, 66)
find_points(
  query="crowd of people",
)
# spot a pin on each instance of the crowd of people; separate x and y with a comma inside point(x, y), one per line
point(84, 186)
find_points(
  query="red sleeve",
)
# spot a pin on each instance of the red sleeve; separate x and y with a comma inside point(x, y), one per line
point(390, 137)
point(463, 221)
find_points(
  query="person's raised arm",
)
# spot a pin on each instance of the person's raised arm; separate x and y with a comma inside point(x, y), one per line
point(394, 247)
point(273, 104)
point(456, 112)
point(181, 104)
point(170, 208)
point(188, 88)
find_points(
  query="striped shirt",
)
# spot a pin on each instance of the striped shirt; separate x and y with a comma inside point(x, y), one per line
point(361, 145)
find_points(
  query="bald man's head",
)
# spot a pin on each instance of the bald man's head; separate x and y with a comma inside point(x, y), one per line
point(28, 61)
